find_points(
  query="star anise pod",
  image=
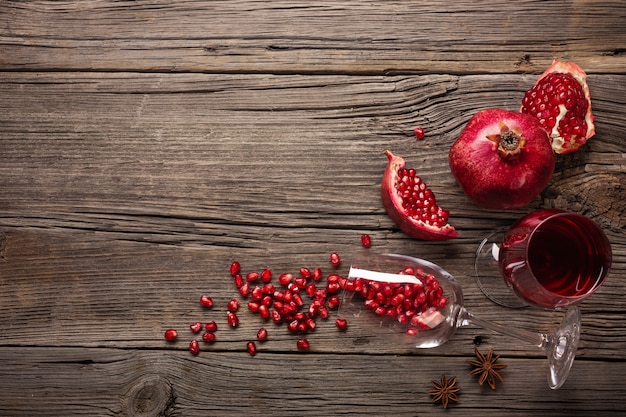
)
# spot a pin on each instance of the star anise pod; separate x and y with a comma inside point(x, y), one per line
point(445, 390)
point(486, 367)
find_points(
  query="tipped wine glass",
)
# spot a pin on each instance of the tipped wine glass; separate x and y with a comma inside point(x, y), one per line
point(549, 258)
point(430, 320)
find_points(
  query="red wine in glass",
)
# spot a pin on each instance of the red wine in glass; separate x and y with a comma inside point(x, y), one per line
point(553, 259)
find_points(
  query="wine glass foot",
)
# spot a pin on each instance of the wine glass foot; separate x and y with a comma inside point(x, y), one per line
point(561, 348)
point(487, 272)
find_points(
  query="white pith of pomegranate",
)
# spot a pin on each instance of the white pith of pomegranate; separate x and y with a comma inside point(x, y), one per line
point(561, 101)
point(411, 204)
point(502, 159)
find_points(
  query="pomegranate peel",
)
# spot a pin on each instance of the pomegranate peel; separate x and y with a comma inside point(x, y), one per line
point(411, 204)
point(561, 101)
point(502, 159)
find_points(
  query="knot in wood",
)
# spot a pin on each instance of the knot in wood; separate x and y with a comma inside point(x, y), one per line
point(150, 396)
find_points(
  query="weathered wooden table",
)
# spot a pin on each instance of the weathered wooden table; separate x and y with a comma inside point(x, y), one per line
point(144, 145)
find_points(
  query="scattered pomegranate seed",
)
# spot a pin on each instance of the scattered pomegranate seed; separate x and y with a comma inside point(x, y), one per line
point(244, 290)
point(251, 346)
point(252, 276)
point(235, 268)
point(335, 260)
point(171, 335)
point(210, 326)
point(195, 327)
point(334, 301)
point(285, 279)
point(303, 344)
point(366, 241)
point(342, 324)
point(233, 320)
point(419, 132)
point(305, 273)
point(264, 311)
point(411, 331)
point(238, 280)
point(261, 335)
point(233, 305)
point(208, 337)
point(206, 301)
point(266, 275)
point(317, 274)
point(194, 347)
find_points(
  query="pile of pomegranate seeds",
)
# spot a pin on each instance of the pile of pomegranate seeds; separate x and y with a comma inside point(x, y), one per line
point(297, 300)
point(415, 305)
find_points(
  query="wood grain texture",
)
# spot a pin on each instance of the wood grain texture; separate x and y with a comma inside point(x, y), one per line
point(145, 145)
point(98, 382)
point(367, 37)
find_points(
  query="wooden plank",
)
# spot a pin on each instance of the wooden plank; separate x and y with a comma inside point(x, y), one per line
point(366, 37)
point(78, 381)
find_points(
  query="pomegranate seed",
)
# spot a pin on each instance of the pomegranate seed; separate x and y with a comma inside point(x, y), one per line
point(233, 320)
point(252, 276)
point(284, 279)
point(254, 307)
point(332, 287)
point(251, 346)
point(233, 305)
point(235, 268)
point(244, 290)
point(238, 281)
point(366, 241)
point(210, 326)
point(269, 289)
point(303, 344)
point(206, 301)
point(256, 294)
point(335, 260)
point(194, 347)
point(264, 311)
point(305, 273)
point(342, 324)
point(261, 335)
point(208, 337)
point(412, 331)
point(171, 335)
point(419, 132)
point(317, 274)
point(334, 301)
point(267, 301)
point(276, 317)
point(300, 282)
point(195, 327)
point(310, 290)
point(293, 326)
point(266, 275)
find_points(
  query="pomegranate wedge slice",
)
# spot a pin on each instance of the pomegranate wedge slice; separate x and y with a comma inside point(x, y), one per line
point(411, 204)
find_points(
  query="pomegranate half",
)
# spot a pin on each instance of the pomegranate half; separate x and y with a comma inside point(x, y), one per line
point(411, 204)
point(561, 101)
point(502, 159)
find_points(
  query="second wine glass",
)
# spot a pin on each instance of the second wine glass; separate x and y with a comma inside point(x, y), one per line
point(549, 258)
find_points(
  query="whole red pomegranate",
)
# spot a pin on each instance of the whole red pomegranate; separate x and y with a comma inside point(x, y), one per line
point(411, 204)
point(561, 101)
point(502, 159)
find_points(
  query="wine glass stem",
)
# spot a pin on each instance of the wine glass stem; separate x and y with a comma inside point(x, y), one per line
point(536, 339)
